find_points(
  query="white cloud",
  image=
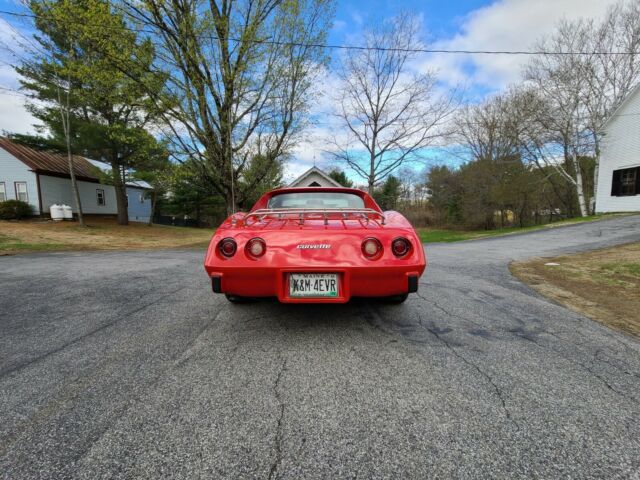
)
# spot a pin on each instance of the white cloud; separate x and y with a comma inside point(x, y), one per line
point(503, 25)
point(14, 118)
point(357, 17)
point(339, 24)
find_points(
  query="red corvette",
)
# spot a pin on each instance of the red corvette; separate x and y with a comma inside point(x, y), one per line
point(315, 244)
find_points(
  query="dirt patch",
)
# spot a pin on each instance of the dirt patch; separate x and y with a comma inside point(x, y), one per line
point(602, 284)
point(100, 234)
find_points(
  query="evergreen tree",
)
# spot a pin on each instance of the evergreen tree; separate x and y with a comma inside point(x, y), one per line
point(341, 177)
point(88, 45)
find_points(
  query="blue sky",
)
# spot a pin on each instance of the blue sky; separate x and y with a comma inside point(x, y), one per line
point(441, 18)
point(461, 24)
point(452, 25)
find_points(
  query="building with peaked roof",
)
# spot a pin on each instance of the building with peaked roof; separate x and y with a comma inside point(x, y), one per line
point(618, 179)
point(314, 177)
point(42, 178)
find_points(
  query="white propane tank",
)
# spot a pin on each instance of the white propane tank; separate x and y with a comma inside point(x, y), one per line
point(67, 212)
point(57, 214)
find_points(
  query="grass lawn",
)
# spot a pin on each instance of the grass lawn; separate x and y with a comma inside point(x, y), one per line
point(101, 234)
point(603, 284)
point(105, 234)
point(430, 235)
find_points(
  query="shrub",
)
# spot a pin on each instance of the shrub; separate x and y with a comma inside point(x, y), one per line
point(14, 210)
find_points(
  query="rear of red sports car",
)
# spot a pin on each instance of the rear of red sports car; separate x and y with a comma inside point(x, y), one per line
point(322, 245)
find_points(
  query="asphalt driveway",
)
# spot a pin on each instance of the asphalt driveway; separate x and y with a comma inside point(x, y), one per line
point(120, 365)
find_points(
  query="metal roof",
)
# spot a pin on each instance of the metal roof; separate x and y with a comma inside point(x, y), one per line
point(43, 161)
point(105, 167)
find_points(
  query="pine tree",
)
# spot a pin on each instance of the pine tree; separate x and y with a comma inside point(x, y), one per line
point(109, 80)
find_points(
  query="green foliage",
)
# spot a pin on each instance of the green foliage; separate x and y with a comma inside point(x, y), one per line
point(159, 172)
point(239, 96)
point(260, 176)
point(445, 194)
point(38, 142)
point(89, 55)
point(186, 194)
point(388, 195)
point(487, 194)
point(340, 177)
point(15, 210)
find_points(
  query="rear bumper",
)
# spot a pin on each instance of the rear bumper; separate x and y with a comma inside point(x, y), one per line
point(353, 282)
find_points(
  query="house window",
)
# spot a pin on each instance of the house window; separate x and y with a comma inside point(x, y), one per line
point(100, 197)
point(626, 182)
point(142, 198)
point(3, 192)
point(21, 192)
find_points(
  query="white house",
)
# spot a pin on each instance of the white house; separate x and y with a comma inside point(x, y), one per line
point(314, 177)
point(42, 178)
point(619, 170)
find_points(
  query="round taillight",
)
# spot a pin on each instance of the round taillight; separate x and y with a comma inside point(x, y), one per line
point(227, 247)
point(400, 247)
point(371, 248)
point(256, 247)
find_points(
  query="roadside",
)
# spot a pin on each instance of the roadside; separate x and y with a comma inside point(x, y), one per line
point(602, 284)
point(433, 235)
point(105, 234)
point(101, 234)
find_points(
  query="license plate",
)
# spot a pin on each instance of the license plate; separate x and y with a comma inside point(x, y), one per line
point(313, 285)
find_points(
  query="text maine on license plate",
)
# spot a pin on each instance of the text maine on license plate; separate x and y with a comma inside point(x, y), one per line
point(313, 285)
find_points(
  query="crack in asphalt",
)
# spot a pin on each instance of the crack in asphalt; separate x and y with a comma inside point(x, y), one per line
point(273, 472)
point(598, 356)
point(79, 385)
point(119, 318)
point(532, 340)
point(174, 361)
point(487, 377)
point(468, 362)
point(443, 310)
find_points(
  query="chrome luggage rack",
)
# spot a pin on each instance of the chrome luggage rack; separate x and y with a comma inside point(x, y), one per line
point(300, 213)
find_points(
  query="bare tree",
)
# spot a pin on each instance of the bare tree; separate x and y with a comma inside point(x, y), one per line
point(241, 73)
point(593, 68)
point(65, 108)
point(560, 79)
point(492, 130)
point(613, 68)
point(389, 112)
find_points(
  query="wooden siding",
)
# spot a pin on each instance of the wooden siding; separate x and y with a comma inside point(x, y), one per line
point(138, 211)
point(58, 190)
point(620, 149)
point(13, 170)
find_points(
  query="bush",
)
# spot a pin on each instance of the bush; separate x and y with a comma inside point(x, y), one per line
point(420, 215)
point(14, 210)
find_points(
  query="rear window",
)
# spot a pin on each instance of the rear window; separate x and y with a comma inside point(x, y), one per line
point(316, 200)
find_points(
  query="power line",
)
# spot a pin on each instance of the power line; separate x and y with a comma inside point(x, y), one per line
point(18, 93)
point(329, 46)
